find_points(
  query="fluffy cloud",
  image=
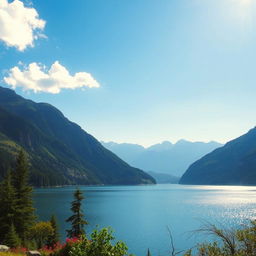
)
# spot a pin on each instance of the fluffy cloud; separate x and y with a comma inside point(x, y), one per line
point(19, 25)
point(38, 78)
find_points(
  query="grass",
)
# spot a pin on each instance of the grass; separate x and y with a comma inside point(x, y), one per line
point(11, 254)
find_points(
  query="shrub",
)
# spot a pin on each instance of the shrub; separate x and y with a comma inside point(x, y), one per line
point(40, 232)
point(99, 244)
point(229, 242)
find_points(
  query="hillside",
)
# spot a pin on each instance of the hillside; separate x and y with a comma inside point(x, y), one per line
point(60, 151)
point(165, 157)
point(232, 164)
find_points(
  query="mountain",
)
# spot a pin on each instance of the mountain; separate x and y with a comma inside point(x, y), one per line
point(125, 151)
point(163, 178)
point(160, 147)
point(165, 157)
point(60, 152)
point(232, 164)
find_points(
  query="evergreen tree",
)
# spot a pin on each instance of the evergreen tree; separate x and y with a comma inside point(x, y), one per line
point(148, 253)
point(77, 219)
point(8, 205)
point(12, 238)
point(25, 216)
point(55, 237)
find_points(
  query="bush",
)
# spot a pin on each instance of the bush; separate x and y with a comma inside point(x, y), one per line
point(40, 233)
point(229, 242)
point(99, 244)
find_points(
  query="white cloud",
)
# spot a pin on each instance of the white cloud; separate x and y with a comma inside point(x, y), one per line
point(19, 25)
point(38, 78)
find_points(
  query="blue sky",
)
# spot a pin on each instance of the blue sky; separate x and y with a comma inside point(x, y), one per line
point(165, 70)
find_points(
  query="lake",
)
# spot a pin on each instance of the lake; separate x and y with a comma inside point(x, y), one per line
point(140, 215)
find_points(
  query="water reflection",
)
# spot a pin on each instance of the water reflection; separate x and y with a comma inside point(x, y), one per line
point(140, 214)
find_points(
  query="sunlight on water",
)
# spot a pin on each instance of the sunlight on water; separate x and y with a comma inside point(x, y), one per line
point(232, 205)
point(140, 214)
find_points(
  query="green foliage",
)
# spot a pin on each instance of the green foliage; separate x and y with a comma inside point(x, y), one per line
point(77, 219)
point(41, 232)
point(99, 244)
point(17, 213)
point(229, 242)
point(24, 216)
point(53, 238)
point(11, 238)
point(8, 205)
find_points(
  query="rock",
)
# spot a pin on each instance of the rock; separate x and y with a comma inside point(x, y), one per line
point(33, 253)
point(4, 248)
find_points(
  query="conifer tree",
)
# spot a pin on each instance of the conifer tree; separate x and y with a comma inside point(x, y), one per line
point(8, 205)
point(77, 219)
point(55, 237)
point(25, 216)
point(11, 238)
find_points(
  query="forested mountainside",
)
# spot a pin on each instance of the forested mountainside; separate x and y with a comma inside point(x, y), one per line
point(60, 152)
point(232, 164)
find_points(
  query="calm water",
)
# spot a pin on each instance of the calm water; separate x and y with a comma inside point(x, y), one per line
point(140, 214)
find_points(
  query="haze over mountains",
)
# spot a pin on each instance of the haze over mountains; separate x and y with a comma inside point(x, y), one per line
point(60, 152)
point(165, 157)
point(232, 164)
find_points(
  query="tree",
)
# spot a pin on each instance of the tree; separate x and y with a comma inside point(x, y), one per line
point(40, 232)
point(11, 238)
point(77, 219)
point(53, 239)
point(8, 205)
point(25, 216)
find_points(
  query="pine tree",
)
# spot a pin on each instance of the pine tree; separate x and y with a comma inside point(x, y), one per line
point(11, 238)
point(77, 219)
point(25, 216)
point(8, 205)
point(55, 237)
point(148, 253)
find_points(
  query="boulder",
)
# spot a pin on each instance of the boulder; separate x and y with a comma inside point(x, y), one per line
point(33, 253)
point(4, 248)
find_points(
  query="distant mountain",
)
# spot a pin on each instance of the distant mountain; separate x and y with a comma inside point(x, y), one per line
point(165, 157)
point(163, 178)
point(127, 152)
point(232, 164)
point(60, 152)
point(160, 147)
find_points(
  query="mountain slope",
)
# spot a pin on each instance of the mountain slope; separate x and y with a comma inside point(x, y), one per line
point(232, 164)
point(60, 151)
point(165, 157)
point(163, 178)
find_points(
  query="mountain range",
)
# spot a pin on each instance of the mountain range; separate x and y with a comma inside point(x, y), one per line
point(232, 164)
point(60, 152)
point(165, 157)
